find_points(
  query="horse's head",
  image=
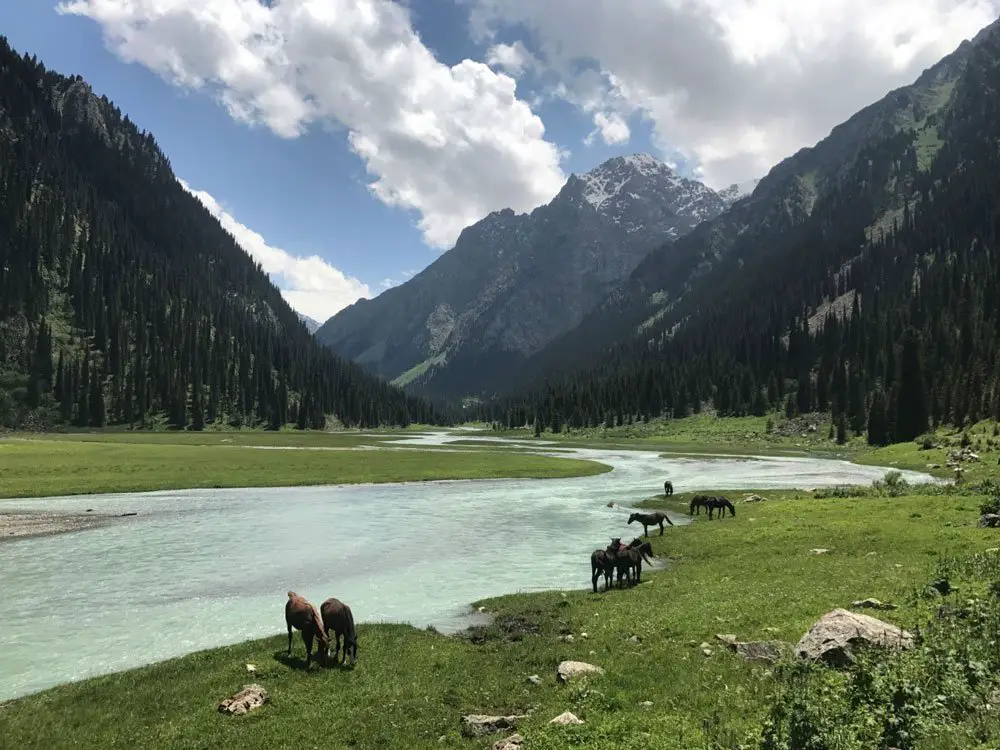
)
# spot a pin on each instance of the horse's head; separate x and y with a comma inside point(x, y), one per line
point(635, 542)
point(633, 517)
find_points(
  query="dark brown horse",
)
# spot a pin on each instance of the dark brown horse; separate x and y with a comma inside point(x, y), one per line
point(338, 617)
point(720, 504)
point(650, 519)
point(697, 503)
point(637, 551)
point(668, 488)
point(602, 561)
point(302, 615)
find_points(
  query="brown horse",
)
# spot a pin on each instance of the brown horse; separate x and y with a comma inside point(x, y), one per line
point(302, 615)
point(633, 555)
point(338, 617)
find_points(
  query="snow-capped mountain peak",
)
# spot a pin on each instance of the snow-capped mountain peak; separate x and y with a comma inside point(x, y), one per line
point(738, 190)
point(640, 193)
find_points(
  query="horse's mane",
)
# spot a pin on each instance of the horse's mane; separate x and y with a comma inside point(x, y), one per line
point(318, 625)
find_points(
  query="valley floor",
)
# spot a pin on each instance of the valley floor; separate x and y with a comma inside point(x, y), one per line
point(86, 463)
point(752, 575)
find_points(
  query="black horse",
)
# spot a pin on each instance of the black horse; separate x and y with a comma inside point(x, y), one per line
point(645, 550)
point(668, 488)
point(650, 519)
point(697, 503)
point(720, 504)
point(602, 561)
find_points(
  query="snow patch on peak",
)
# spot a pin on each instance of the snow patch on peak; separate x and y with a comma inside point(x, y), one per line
point(645, 164)
point(738, 190)
point(606, 181)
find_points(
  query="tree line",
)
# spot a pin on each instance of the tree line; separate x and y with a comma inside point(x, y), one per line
point(124, 302)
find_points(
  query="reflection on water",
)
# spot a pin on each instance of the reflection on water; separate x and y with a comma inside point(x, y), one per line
point(203, 568)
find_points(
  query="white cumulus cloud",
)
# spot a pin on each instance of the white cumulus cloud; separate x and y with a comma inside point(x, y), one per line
point(309, 284)
point(732, 85)
point(612, 128)
point(513, 58)
point(451, 143)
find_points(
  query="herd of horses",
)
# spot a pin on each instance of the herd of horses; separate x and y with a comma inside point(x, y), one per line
point(316, 625)
point(626, 559)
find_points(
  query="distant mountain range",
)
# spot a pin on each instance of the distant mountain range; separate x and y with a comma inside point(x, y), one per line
point(514, 282)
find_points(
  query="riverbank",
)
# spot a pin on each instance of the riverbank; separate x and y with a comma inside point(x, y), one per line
point(753, 575)
point(44, 523)
point(57, 465)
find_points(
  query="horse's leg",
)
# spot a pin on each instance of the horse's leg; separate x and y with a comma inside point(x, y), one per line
point(661, 527)
point(307, 636)
point(645, 530)
point(595, 573)
point(336, 652)
point(289, 639)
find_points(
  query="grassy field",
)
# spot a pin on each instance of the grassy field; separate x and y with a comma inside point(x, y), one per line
point(753, 575)
point(70, 465)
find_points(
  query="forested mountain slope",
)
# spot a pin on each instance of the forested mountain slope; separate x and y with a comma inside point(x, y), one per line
point(123, 301)
point(513, 282)
point(862, 276)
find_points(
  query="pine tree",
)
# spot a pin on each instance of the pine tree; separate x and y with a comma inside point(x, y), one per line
point(911, 395)
point(878, 432)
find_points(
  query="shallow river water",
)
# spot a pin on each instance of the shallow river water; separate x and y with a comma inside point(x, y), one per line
point(203, 568)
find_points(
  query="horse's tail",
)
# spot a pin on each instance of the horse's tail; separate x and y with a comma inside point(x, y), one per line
point(352, 635)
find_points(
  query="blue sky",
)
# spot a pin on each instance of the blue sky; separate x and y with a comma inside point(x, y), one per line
point(272, 113)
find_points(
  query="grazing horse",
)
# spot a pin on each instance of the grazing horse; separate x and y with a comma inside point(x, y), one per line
point(602, 561)
point(720, 504)
point(668, 488)
point(302, 615)
point(697, 503)
point(650, 519)
point(645, 550)
point(337, 616)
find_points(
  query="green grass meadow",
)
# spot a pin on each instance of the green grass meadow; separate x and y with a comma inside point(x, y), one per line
point(753, 575)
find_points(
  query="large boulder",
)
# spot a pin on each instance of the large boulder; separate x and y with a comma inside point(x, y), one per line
point(478, 725)
point(832, 637)
point(567, 670)
point(250, 697)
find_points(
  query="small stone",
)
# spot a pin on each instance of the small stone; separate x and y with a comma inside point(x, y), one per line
point(514, 742)
point(584, 636)
point(769, 652)
point(250, 697)
point(871, 554)
point(727, 638)
point(819, 551)
point(635, 639)
point(991, 550)
point(568, 670)
point(703, 645)
point(482, 609)
point(707, 651)
point(566, 638)
point(535, 679)
point(566, 718)
point(989, 521)
point(646, 704)
point(251, 668)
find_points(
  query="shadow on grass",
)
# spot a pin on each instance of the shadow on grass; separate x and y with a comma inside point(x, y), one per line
point(299, 663)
